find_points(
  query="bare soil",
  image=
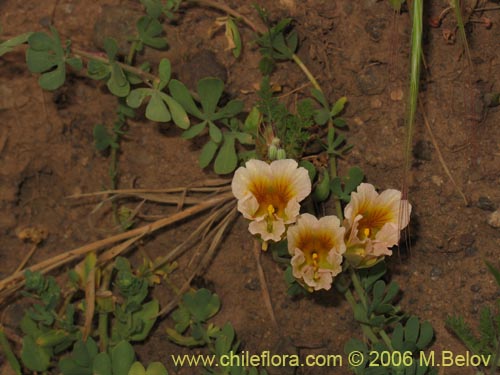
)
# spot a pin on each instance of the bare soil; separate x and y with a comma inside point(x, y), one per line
point(357, 49)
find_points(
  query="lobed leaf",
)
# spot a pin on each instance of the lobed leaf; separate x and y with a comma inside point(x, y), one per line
point(210, 91)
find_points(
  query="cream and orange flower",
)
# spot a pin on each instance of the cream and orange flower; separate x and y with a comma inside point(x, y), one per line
point(316, 247)
point(373, 222)
point(269, 195)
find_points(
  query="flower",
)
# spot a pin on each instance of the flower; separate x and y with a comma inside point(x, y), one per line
point(269, 195)
point(373, 223)
point(316, 247)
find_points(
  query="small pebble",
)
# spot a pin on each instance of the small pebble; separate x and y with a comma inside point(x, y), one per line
point(485, 203)
point(494, 219)
point(436, 272)
point(397, 95)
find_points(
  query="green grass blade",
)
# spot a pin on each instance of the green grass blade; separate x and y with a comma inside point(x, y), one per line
point(415, 61)
point(461, 29)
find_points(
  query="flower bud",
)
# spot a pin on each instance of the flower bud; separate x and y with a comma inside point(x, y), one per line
point(272, 152)
point(281, 154)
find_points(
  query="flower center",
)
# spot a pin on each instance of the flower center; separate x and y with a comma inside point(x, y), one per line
point(315, 264)
point(272, 196)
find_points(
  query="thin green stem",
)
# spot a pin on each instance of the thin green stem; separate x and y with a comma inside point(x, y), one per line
point(416, 57)
point(8, 353)
point(102, 328)
point(367, 330)
point(103, 322)
point(333, 174)
point(307, 72)
point(358, 287)
point(386, 339)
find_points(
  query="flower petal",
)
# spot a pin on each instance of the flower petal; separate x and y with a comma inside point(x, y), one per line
point(269, 230)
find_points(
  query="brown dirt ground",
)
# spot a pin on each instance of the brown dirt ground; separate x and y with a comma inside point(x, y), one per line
point(357, 49)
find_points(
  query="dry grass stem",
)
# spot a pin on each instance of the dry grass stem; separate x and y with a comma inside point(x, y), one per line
point(440, 156)
point(16, 280)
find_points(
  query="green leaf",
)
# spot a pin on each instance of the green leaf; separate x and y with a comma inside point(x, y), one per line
point(137, 369)
point(181, 94)
point(54, 79)
point(182, 319)
point(102, 364)
point(122, 357)
point(412, 329)
point(44, 53)
point(10, 44)
point(40, 41)
point(321, 116)
point(117, 83)
point(231, 109)
point(102, 138)
point(179, 115)
point(322, 190)
point(355, 177)
point(156, 368)
point(233, 34)
point(147, 317)
point(137, 96)
point(244, 138)
point(150, 29)
point(33, 356)
point(214, 132)
point(202, 304)
point(426, 335)
point(392, 291)
point(397, 337)
point(39, 61)
point(156, 109)
point(164, 71)
point(338, 106)
point(194, 130)
point(252, 121)
point(224, 340)
point(97, 70)
point(208, 153)
point(226, 160)
point(111, 48)
point(75, 62)
point(210, 91)
point(339, 122)
point(320, 97)
point(311, 169)
point(396, 4)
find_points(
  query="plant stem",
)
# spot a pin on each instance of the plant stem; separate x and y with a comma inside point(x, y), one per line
point(386, 339)
point(367, 331)
point(225, 9)
point(416, 57)
point(358, 287)
point(307, 72)
point(7, 351)
point(103, 323)
point(128, 68)
point(102, 327)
